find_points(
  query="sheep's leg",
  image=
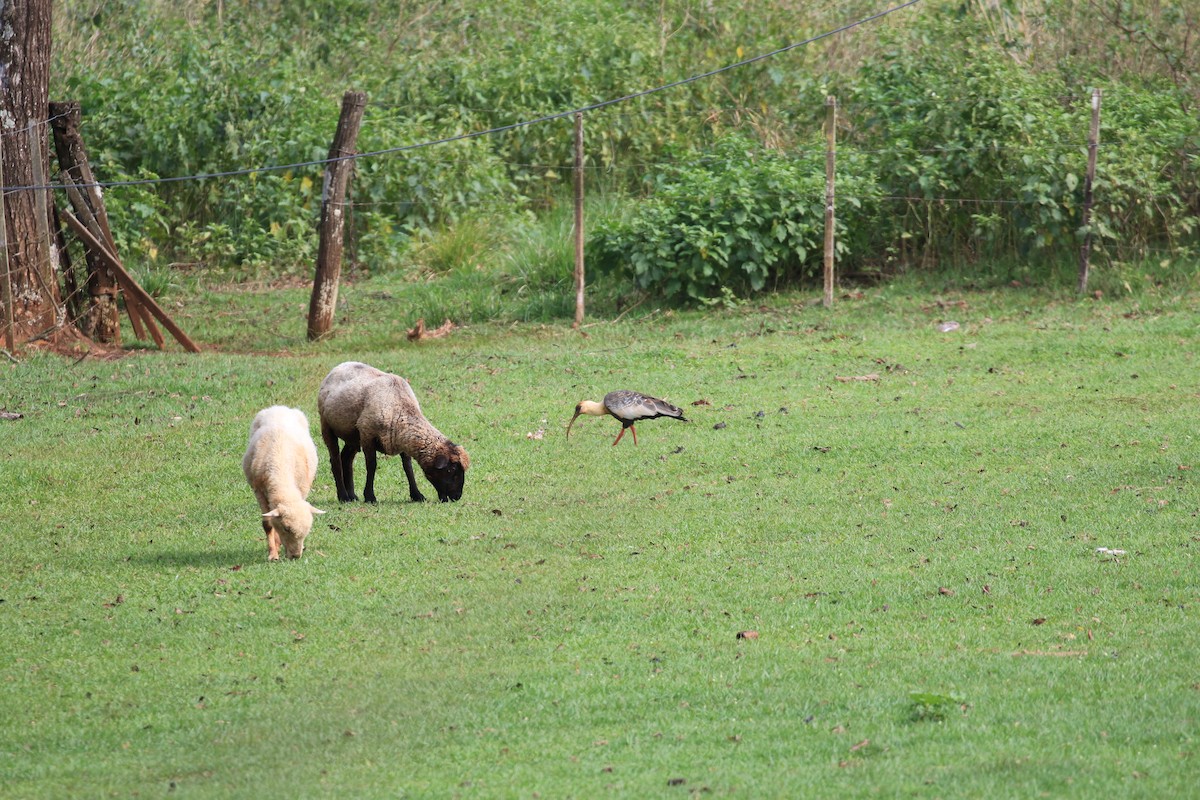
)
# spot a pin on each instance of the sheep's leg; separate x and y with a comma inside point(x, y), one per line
point(414, 493)
point(345, 488)
point(272, 540)
point(369, 459)
point(349, 451)
point(268, 528)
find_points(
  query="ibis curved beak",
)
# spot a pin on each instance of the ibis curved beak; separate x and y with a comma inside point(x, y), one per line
point(572, 422)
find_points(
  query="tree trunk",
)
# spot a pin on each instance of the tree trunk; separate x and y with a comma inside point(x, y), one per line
point(24, 82)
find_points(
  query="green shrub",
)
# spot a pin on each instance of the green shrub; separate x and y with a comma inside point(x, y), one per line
point(430, 186)
point(1147, 189)
point(985, 155)
point(975, 149)
point(173, 102)
point(735, 220)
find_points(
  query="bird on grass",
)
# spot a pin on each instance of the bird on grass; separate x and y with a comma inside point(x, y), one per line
point(627, 407)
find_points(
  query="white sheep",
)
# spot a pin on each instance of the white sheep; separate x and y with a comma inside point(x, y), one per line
point(376, 411)
point(280, 464)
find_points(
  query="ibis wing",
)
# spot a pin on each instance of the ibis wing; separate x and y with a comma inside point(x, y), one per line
point(632, 406)
point(664, 409)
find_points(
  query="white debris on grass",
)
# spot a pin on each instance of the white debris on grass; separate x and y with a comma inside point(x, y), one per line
point(540, 433)
point(1108, 551)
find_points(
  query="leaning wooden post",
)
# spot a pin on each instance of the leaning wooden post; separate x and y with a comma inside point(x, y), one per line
point(830, 162)
point(70, 287)
point(102, 321)
point(323, 304)
point(131, 286)
point(1085, 250)
point(579, 219)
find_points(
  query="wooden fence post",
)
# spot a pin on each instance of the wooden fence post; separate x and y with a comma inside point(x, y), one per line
point(1085, 250)
point(6, 289)
point(323, 304)
point(579, 283)
point(38, 161)
point(44, 272)
point(830, 163)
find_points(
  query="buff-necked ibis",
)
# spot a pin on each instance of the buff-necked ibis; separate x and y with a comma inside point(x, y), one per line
point(627, 407)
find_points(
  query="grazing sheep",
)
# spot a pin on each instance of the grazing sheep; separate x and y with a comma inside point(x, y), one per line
point(280, 464)
point(378, 412)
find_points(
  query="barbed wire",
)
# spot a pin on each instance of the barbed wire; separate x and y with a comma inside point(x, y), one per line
point(101, 117)
point(817, 198)
point(648, 166)
point(843, 151)
point(844, 104)
point(31, 126)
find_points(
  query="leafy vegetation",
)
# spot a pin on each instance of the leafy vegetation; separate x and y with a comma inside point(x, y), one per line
point(983, 154)
point(932, 707)
point(739, 220)
point(963, 132)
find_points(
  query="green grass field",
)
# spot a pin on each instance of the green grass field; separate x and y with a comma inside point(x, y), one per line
point(917, 553)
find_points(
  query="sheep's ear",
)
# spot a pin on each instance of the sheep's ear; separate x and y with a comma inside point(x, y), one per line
point(441, 462)
point(274, 512)
point(314, 509)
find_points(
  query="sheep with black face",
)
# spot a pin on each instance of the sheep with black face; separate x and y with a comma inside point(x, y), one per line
point(377, 412)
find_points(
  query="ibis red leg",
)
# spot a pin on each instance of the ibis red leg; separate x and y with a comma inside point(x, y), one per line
point(633, 430)
point(619, 435)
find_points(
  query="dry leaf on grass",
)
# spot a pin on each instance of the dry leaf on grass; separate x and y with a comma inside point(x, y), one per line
point(873, 378)
point(419, 331)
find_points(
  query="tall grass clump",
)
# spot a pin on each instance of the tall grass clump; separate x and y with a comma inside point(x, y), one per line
point(495, 267)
